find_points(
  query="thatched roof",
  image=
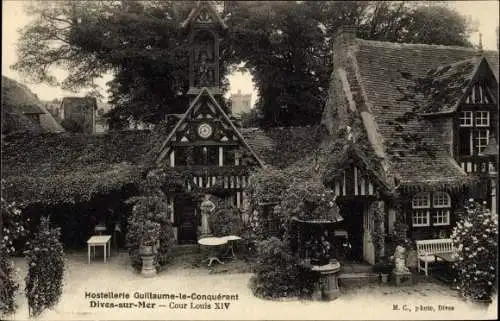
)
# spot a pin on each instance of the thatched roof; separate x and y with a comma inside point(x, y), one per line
point(67, 167)
point(18, 101)
point(49, 168)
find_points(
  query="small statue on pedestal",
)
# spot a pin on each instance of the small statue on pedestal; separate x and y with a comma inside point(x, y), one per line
point(206, 207)
point(401, 273)
point(400, 260)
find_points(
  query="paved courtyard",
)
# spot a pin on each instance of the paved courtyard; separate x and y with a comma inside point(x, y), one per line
point(84, 283)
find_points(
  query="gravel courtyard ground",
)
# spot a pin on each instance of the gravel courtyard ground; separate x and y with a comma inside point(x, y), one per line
point(185, 277)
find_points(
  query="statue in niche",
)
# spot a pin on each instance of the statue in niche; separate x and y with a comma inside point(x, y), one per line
point(204, 61)
point(205, 72)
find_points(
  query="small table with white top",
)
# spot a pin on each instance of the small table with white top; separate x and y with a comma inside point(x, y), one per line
point(99, 240)
point(212, 242)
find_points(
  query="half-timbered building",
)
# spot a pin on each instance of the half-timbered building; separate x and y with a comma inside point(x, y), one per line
point(430, 116)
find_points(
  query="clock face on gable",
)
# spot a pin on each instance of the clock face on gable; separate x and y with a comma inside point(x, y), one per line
point(205, 130)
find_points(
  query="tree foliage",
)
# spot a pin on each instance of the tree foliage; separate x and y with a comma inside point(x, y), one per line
point(286, 46)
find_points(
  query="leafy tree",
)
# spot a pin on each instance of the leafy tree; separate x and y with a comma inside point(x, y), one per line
point(45, 260)
point(284, 44)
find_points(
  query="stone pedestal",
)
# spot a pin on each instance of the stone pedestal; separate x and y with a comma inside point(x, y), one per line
point(402, 278)
point(327, 287)
point(148, 268)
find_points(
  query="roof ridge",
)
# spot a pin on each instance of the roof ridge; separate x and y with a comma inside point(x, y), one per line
point(416, 45)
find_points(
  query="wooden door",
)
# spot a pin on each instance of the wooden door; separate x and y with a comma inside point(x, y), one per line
point(187, 222)
point(368, 246)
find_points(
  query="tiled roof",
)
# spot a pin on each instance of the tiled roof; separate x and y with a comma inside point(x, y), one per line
point(416, 148)
point(283, 146)
point(443, 87)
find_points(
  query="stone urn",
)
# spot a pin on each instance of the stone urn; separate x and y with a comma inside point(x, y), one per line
point(147, 253)
point(327, 286)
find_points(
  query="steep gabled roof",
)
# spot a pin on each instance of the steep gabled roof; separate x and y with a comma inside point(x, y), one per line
point(444, 88)
point(204, 93)
point(17, 101)
point(381, 84)
point(204, 12)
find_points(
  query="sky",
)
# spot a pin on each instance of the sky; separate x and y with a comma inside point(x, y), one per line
point(14, 18)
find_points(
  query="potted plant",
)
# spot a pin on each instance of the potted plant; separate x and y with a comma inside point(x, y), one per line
point(320, 251)
point(149, 238)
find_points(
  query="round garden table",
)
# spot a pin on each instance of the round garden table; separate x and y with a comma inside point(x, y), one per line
point(213, 243)
point(231, 239)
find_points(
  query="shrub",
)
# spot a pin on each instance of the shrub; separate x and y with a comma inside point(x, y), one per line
point(11, 229)
point(476, 238)
point(8, 285)
point(400, 234)
point(72, 126)
point(226, 221)
point(45, 268)
point(277, 272)
point(149, 224)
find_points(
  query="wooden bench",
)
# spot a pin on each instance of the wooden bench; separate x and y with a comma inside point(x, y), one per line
point(427, 249)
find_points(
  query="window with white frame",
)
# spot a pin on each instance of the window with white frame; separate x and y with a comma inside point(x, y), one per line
point(426, 206)
point(466, 119)
point(481, 140)
point(441, 200)
point(441, 217)
point(482, 118)
point(421, 204)
point(421, 200)
point(420, 217)
point(474, 132)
